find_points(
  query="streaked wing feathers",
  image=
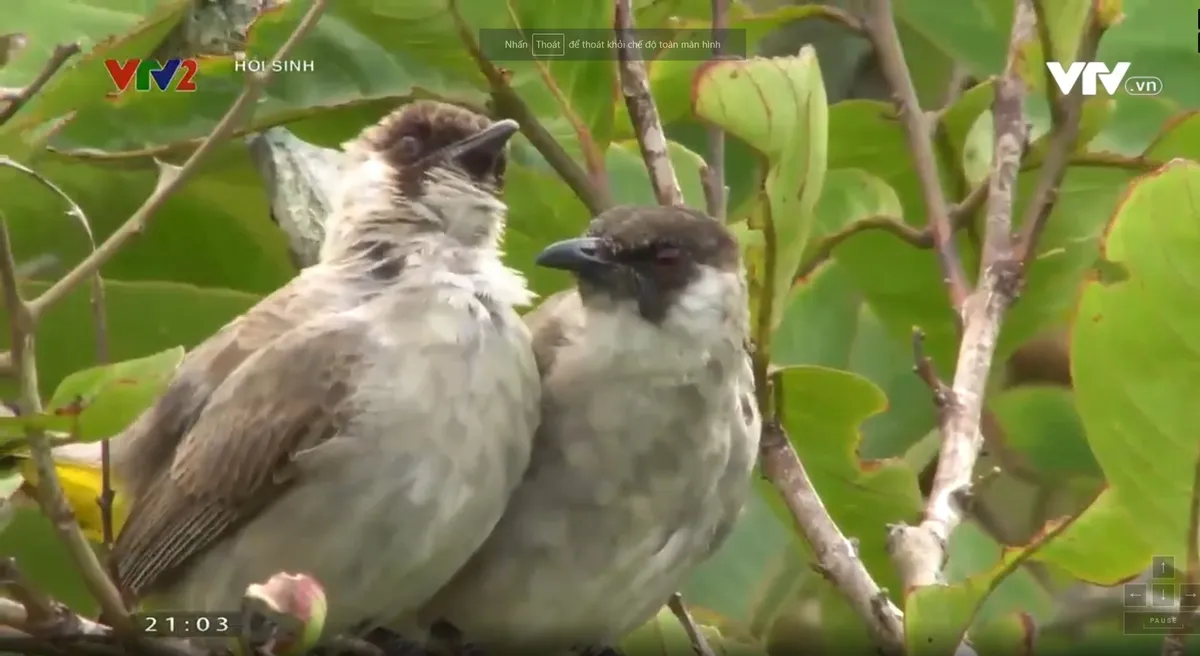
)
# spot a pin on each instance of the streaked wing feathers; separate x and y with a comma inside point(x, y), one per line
point(236, 458)
point(148, 444)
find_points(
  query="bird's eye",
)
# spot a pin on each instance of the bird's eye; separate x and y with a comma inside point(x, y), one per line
point(666, 255)
point(409, 148)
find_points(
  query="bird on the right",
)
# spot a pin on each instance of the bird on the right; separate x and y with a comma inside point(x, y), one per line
point(647, 445)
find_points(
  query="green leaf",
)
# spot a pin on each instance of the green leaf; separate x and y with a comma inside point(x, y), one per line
point(887, 361)
point(960, 118)
point(106, 399)
point(778, 106)
point(973, 552)
point(751, 578)
point(143, 318)
point(214, 232)
point(973, 33)
point(822, 410)
point(1133, 349)
point(44, 562)
point(82, 84)
point(1179, 137)
point(1087, 548)
point(936, 617)
point(1040, 424)
point(819, 321)
point(1011, 635)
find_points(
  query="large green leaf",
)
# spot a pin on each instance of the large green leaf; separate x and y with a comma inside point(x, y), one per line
point(1088, 550)
point(937, 616)
point(1135, 345)
point(143, 318)
point(30, 539)
point(215, 232)
point(84, 81)
point(778, 106)
point(1041, 425)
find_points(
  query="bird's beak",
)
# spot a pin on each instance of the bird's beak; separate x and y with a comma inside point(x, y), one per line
point(491, 139)
point(578, 255)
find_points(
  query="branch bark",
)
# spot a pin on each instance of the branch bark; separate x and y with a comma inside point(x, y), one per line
point(881, 30)
point(57, 59)
point(920, 551)
point(635, 87)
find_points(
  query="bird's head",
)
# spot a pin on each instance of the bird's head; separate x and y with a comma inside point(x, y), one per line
point(672, 267)
point(426, 167)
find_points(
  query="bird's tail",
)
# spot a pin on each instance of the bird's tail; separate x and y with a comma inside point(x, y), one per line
point(79, 473)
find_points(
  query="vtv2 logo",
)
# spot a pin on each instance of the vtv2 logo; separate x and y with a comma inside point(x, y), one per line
point(144, 71)
point(1066, 79)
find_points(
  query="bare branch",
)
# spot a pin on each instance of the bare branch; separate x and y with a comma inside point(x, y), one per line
point(17, 100)
point(837, 558)
point(943, 396)
point(920, 551)
point(699, 644)
point(100, 321)
point(712, 177)
point(1065, 117)
point(50, 494)
point(881, 29)
point(635, 86)
point(918, 238)
point(254, 85)
point(594, 193)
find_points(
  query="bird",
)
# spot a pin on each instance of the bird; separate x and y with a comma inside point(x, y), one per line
point(371, 443)
point(647, 444)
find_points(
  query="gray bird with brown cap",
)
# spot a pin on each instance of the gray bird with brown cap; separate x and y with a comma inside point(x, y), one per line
point(366, 424)
point(648, 439)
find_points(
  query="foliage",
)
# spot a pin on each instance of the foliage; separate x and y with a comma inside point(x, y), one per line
point(1096, 476)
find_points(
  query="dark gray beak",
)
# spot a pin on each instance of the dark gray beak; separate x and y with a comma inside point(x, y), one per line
point(577, 255)
point(491, 139)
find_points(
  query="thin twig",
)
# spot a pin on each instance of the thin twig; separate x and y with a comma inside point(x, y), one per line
point(50, 494)
point(923, 367)
point(1065, 118)
point(40, 610)
point(594, 194)
point(253, 87)
point(837, 558)
point(881, 29)
point(712, 177)
point(100, 320)
point(960, 216)
point(635, 87)
point(57, 58)
point(699, 644)
point(920, 551)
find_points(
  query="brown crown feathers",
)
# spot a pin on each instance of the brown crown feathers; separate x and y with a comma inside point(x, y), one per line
point(410, 138)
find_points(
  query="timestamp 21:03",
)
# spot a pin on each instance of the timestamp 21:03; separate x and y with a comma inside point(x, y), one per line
point(179, 624)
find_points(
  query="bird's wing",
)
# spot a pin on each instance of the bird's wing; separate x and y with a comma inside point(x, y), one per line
point(285, 398)
point(149, 442)
point(747, 434)
point(552, 325)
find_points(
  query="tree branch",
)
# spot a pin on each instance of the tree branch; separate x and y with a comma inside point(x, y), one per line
point(920, 551)
point(960, 215)
point(713, 176)
point(881, 29)
point(1065, 114)
point(22, 322)
point(837, 557)
point(57, 59)
point(635, 86)
point(507, 104)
